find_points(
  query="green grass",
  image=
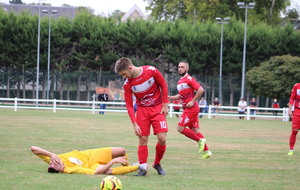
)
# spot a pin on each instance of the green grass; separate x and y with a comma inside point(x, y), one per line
point(247, 154)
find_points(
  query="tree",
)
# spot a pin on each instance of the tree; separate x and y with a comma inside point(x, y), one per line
point(207, 10)
point(15, 2)
point(275, 77)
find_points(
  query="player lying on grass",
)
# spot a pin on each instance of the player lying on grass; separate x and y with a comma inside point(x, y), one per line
point(92, 161)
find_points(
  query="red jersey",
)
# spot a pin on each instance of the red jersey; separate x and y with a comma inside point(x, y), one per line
point(275, 105)
point(149, 88)
point(176, 102)
point(295, 98)
point(186, 87)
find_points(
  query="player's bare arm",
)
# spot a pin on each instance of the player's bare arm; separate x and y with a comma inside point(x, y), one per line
point(53, 157)
point(175, 97)
point(198, 94)
point(105, 169)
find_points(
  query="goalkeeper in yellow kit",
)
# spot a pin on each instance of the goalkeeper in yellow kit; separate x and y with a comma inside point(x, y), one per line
point(92, 161)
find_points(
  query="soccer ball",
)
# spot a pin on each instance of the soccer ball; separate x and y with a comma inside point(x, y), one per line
point(111, 183)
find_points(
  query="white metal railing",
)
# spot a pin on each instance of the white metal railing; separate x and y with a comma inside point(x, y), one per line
point(232, 111)
point(92, 106)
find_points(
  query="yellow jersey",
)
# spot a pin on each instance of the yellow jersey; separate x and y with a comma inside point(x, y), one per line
point(83, 162)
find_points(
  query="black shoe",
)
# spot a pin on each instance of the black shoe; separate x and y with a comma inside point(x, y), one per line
point(159, 169)
point(141, 173)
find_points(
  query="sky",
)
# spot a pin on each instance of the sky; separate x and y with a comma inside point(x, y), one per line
point(108, 6)
point(99, 6)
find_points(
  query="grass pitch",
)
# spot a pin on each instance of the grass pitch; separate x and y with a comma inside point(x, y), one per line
point(247, 154)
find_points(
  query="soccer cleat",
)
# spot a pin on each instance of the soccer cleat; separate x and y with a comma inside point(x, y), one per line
point(142, 173)
point(290, 153)
point(201, 144)
point(159, 169)
point(207, 154)
point(143, 167)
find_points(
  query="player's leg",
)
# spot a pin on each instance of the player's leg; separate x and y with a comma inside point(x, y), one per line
point(160, 150)
point(160, 129)
point(143, 149)
point(187, 119)
point(188, 133)
point(142, 154)
point(293, 136)
point(119, 152)
point(142, 118)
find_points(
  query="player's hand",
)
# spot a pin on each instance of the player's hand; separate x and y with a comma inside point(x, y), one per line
point(121, 160)
point(190, 104)
point(55, 159)
point(165, 109)
point(137, 129)
point(291, 113)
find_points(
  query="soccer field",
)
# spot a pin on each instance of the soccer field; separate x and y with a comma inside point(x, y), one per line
point(247, 154)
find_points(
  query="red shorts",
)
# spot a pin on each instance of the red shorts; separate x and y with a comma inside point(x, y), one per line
point(189, 118)
point(147, 116)
point(296, 122)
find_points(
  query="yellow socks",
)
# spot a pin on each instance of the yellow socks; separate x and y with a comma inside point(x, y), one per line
point(124, 170)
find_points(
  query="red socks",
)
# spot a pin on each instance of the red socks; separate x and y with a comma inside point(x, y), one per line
point(293, 139)
point(202, 137)
point(143, 154)
point(160, 151)
point(190, 134)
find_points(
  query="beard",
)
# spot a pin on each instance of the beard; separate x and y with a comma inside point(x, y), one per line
point(182, 74)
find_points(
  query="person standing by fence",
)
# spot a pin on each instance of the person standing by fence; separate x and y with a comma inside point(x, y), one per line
point(253, 104)
point(295, 115)
point(203, 108)
point(103, 98)
point(242, 107)
point(275, 105)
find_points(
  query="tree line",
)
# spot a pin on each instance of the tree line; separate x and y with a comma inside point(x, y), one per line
point(91, 44)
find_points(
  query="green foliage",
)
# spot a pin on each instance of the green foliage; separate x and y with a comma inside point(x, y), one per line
point(91, 43)
point(15, 2)
point(275, 78)
point(207, 10)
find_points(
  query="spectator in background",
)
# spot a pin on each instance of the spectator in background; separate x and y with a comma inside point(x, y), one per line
point(275, 105)
point(216, 105)
point(176, 108)
point(102, 98)
point(242, 107)
point(253, 104)
point(203, 107)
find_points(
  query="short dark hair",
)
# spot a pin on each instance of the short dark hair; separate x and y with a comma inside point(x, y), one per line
point(122, 64)
point(52, 170)
point(184, 61)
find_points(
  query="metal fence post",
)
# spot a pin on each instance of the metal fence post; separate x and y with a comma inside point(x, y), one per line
point(248, 113)
point(16, 104)
point(54, 105)
point(171, 110)
point(93, 105)
point(209, 112)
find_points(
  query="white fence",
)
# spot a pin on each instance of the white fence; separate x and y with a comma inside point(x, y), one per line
point(93, 106)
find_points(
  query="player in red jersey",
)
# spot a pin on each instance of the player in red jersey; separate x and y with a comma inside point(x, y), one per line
point(295, 115)
point(188, 124)
point(148, 85)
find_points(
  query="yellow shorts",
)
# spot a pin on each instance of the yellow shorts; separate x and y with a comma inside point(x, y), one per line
point(98, 156)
